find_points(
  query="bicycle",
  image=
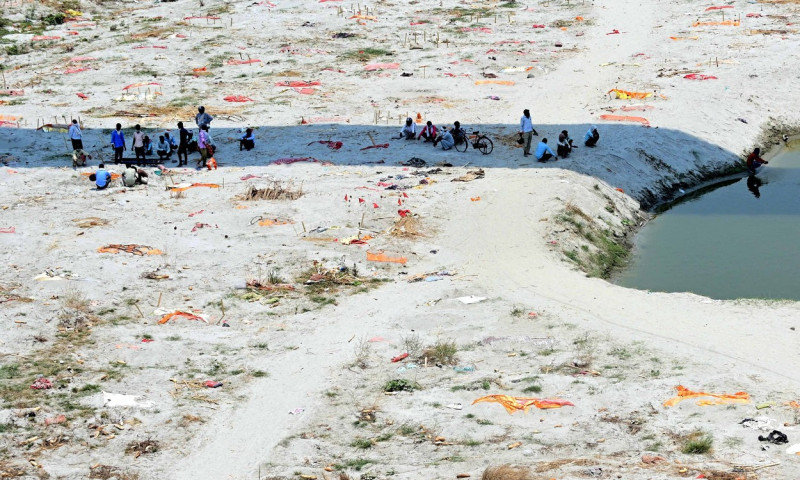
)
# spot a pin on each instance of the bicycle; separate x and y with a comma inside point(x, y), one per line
point(479, 142)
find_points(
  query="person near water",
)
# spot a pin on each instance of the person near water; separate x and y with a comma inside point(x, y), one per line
point(591, 137)
point(409, 130)
point(564, 146)
point(202, 146)
point(248, 140)
point(183, 146)
point(527, 131)
point(202, 119)
point(118, 142)
point(75, 135)
point(754, 161)
point(102, 177)
point(543, 151)
point(428, 132)
point(753, 184)
point(138, 143)
point(163, 149)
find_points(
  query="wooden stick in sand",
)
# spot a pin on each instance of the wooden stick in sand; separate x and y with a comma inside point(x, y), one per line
point(138, 309)
point(159, 299)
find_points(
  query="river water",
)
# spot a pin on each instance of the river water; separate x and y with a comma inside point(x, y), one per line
point(735, 239)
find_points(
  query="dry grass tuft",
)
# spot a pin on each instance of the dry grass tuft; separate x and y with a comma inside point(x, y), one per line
point(105, 472)
point(276, 190)
point(9, 470)
point(507, 472)
point(74, 299)
point(142, 448)
point(90, 222)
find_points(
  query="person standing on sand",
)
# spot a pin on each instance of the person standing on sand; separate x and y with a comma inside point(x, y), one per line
point(592, 136)
point(75, 135)
point(118, 142)
point(202, 119)
point(527, 131)
point(183, 145)
point(202, 146)
point(138, 144)
point(754, 161)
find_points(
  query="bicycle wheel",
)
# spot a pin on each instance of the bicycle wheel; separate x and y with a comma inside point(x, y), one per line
point(485, 145)
point(462, 146)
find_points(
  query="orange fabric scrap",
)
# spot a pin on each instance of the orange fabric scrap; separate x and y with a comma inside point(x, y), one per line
point(268, 222)
point(494, 82)
point(717, 398)
point(625, 95)
point(139, 85)
point(194, 185)
point(512, 404)
point(382, 257)
point(726, 23)
point(625, 118)
point(166, 318)
point(133, 249)
point(237, 98)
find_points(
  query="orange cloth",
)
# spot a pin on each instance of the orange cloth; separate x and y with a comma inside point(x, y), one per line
point(512, 404)
point(625, 95)
point(718, 398)
point(494, 82)
point(268, 222)
point(133, 249)
point(183, 189)
point(211, 163)
point(726, 23)
point(382, 257)
point(166, 318)
point(625, 118)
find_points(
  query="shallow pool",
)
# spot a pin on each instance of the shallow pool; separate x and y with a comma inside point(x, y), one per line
point(735, 239)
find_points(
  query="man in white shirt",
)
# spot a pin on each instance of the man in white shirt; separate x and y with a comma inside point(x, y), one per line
point(527, 131)
point(76, 136)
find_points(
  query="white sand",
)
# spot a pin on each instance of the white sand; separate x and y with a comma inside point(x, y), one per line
point(508, 246)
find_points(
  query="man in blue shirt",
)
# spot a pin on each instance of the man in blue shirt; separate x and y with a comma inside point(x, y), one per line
point(102, 177)
point(543, 152)
point(118, 142)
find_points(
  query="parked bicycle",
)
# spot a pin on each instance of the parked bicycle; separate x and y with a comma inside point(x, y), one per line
point(479, 142)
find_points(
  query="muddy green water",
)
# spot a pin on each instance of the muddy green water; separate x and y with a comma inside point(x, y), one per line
point(734, 239)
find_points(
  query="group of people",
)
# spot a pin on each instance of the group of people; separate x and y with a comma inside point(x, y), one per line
point(448, 137)
point(543, 152)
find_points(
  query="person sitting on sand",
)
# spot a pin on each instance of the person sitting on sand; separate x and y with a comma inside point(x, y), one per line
point(592, 136)
point(428, 132)
point(458, 133)
point(173, 145)
point(564, 146)
point(129, 176)
point(754, 161)
point(409, 131)
point(248, 140)
point(101, 177)
point(202, 119)
point(446, 139)
point(163, 149)
point(543, 151)
point(79, 158)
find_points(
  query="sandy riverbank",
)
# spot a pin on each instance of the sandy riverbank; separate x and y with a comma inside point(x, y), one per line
point(304, 365)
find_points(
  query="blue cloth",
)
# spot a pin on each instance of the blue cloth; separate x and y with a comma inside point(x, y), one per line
point(543, 148)
point(117, 138)
point(103, 178)
point(525, 124)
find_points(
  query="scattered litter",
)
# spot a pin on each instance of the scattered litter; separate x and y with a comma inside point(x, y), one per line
point(625, 95)
point(190, 316)
point(625, 118)
point(415, 162)
point(196, 213)
point(212, 384)
point(495, 82)
point(289, 161)
point(8, 230)
point(759, 423)
point(183, 187)
point(466, 368)
point(430, 277)
point(385, 257)
point(717, 398)
point(697, 76)
point(470, 176)
point(238, 99)
point(297, 411)
point(382, 66)
point(408, 366)
point(379, 145)
point(776, 437)
point(400, 357)
point(330, 144)
point(41, 383)
point(55, 420)
point(455, 406)
point(122, 400)
point(652, 459)
point(475, 199)
point(513, 404)
point(470, 299)
point(133, 249)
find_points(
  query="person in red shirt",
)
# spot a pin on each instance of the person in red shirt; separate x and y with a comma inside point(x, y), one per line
point(428, 132)
point(754, 161)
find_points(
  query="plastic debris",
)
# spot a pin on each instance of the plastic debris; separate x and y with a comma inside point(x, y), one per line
point(470, 299)
point(41, 383)
point(513, 404)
